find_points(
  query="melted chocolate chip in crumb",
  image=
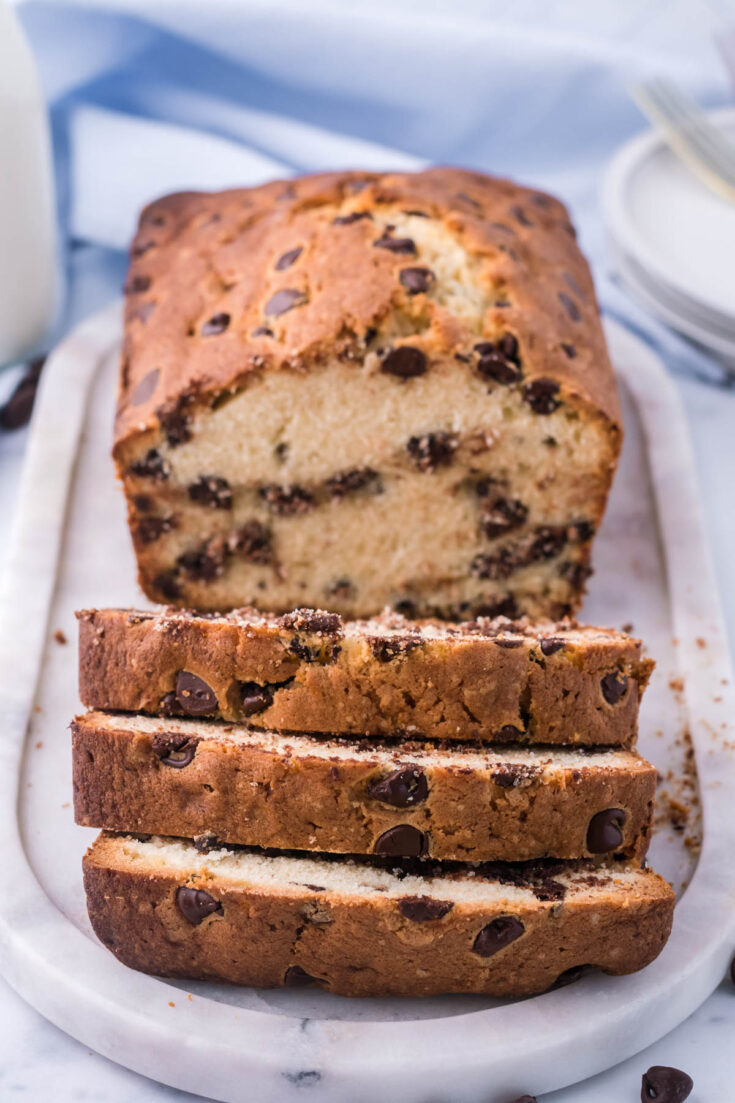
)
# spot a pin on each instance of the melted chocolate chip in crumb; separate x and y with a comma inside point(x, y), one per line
point(175, 425)
point(349, 482)
point(174, 750)
point(502, 516)
point(151, 529)
point(286, 500)
point(605, 832)
point(405, 362)
point(255, 698)
point(193, 694)
point(151, 466)
point(514, 775)
point(614, 686)
point(387, 648)
point(424, 909)
point(665, 1084)
point(404, 788)
point(432, 450)
point(212, 491)
point(196, 904)
point(167, 585)
point(252, 541)
point(203, 564)
point(312, 620)
point(496, 935)
point(402, 841)
point(215, 325)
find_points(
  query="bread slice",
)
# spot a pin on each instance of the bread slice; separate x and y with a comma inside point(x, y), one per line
point(361, 928)
point(359, 390)
point(486, 680)
point(228, 784)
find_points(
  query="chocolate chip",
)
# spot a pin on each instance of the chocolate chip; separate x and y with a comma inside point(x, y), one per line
point(423, 909)
point(342, 589)
point(513, 775)
point(569, 976)
point(402, 841)
point(144, 390)
point(498, 934)
point(547, 544)
point(570, 306)
point(432, 450)
point(502, 516)
point(570, 350)
point(289, 258)
point(137, 284)
point(283, 300)
point(286, 500)
point(614, 686)
point(312, 620)
point(665, 1084)
point(152, 466)
point(493, 365)
point(151, 528)
point(193, 694)
point(402, 245)
point(500, 565)
point(17, 410)
point(262, 331)
point(218, 323)
point(296, 977)
point(583, 531)
point(252, 541)
point(605, 832)
point(404, 788)
point(139, 249)
point(520, 215)
point(405, 362)
point(417, 281)
point(348, 219)
point(551, 645)
point(196, 904)
point(508, 734)
point(540, 394)
point(576, 574)
point(175, 425)
point(508, 642)
point(167, 585)
point(212, 491)
point(387, 648)
point(500, 606)
point(255, 698)
point(204, 564)
point(205, 842)
point(525, 1099)
point(174, 750)
point(349, 482)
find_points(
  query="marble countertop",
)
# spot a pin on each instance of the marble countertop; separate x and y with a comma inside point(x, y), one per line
point(39, 1062)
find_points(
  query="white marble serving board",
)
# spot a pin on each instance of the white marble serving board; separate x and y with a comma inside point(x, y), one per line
point(70, 549)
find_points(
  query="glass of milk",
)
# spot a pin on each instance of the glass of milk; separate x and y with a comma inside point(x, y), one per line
point(29, 268)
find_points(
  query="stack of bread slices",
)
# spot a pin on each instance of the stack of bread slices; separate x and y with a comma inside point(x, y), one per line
point(486, 836)
point(353, 392)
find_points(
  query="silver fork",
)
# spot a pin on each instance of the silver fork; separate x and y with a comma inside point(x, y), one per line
point(689, 133)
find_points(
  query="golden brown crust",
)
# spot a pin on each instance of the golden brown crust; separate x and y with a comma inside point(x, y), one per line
point(366, 945)
point(197, 256)
point(546, 683)
point(189, 778)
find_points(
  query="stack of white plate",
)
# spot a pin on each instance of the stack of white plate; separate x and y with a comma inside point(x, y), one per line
point(672, 240)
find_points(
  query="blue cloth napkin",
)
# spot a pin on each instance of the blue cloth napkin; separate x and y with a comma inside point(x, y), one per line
point(150, 96)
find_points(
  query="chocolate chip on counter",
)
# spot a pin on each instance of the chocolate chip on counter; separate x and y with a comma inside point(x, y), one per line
point(137, 284)
point(402, 245)
point(540, 394)
point(570, 306)
point(252, 541)
point(551, 644)
point(145, 389)
point(666, 1085)
point(502, 516)
point(167, 585)
point(255, 698)
point(423, 909)
point(17, 410)
point(614, 686)
point(405, 362)
point(174, 750)
point(212, 491)
point(296, 977)
point(218, 323)
point(289, 258)
point(432, 450)
point(262, 331)
point(605, 832)
point(286, 500)
point(312, 620)
point(196, 904)
point(417, 281)
point(152, 466)
point(349, 482)
point(570, 350)
point(285, 299)
point(402, 841)
point(348, 219)
point(149, 529)
point(193, 694)
point(496, 935)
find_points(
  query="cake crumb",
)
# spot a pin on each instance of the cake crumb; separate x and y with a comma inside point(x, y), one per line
point(171, 1003)
point(701, 642)
point(39, 744)
point(60, 637)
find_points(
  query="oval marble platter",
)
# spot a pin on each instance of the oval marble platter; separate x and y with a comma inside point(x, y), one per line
point(70, 548)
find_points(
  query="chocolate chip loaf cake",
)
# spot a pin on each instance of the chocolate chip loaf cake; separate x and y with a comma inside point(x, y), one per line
point(310, 671)
point(360, 390)
point(369, 928)
point(230, 784)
